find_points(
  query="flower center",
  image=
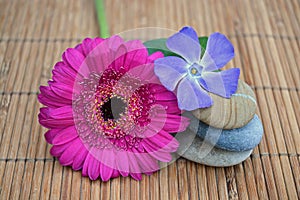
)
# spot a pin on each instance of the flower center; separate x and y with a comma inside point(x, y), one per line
point(108, 107)
point(195, 70)
point(113, 108)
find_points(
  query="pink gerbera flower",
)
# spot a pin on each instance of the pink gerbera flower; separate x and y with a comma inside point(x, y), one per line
point(107, 112)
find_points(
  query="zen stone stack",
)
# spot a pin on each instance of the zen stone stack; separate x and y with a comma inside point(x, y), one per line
point(230, 113)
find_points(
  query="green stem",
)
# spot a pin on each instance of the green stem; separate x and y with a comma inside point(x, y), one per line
point(103, 26)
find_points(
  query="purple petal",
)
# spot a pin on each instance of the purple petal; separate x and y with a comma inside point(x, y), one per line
point(222, 83)
point(185, 46)
point(191, 96)
point(170, 70)
point(219, 52)
point(189, 31)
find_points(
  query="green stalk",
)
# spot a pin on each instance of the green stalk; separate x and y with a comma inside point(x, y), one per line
point(103, 26)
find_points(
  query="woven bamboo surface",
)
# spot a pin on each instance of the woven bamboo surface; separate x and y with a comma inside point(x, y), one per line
point(266, 36)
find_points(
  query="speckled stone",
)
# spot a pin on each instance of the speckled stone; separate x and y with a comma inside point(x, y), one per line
point(205, 153)
point(240, 139)
point(231, 113)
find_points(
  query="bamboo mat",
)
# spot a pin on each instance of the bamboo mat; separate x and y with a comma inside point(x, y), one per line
point(266, 36)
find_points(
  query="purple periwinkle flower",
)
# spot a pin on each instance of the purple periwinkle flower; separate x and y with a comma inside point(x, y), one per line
point(193, 76)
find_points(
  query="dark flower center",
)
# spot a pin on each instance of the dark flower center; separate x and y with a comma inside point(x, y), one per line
point(113, 108)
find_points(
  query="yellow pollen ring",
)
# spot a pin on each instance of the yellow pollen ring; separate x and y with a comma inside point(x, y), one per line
point(194, 71)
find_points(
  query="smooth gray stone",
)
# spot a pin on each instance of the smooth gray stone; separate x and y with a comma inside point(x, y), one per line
point(204, 153)
point(239, 139)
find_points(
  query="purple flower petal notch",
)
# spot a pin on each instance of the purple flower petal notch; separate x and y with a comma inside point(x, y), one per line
point(192, 76)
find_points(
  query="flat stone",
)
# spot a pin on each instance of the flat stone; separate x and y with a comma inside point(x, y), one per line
point(231, 113)
point(239, 139)
point(205, 153)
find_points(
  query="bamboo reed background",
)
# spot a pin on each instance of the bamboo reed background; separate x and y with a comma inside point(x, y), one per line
point(266, 35)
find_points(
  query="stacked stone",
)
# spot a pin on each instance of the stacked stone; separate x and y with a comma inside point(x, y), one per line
point(225, 133)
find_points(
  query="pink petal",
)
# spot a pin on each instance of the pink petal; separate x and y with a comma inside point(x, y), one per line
point(93, 169)
point(133, 45)
point(100, 58)
point(87, 162)
point(79, 48)
point(61, 90)
point(86, 46)
point(163, 143)
point(146, 73)
point(133, 162)
point(157, 88)
point(57, 150)
point(156, 153)
point(73, 57)
point(61, 75)
point(80, 158)
point(122, 163)
point(146, 162)
point(114, 42)
point(148, 173)
point(119, 57)
point(135, 51)
point(155, 56)
point(91, 48)
point(58, 77)
point(68, 155)
point(107, 172)
point(51, 99)
point(152, 146)
point(64, 68)
point(56, 117)
point(165, 96)
point(65, 135)
point(90, 44)
point(50, 134)
point(102, 55)
point(129, 58)
point(59, 113)
point(170, 106)
point(136, 176)
point(176, 123)
point(136, 58)
point(107, 159)
point(115, 174)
